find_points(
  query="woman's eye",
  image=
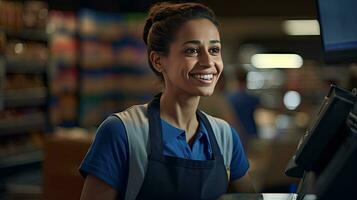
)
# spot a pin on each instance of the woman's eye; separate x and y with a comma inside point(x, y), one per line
point(191, 51)
point(215, 50)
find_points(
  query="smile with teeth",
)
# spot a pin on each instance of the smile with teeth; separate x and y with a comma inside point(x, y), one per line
point(204, 77)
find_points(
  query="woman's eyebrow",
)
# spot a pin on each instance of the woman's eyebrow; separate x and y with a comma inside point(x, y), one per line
point(214, 41)
point(197, 42)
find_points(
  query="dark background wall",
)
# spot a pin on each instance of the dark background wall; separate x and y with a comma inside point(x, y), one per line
point(223, 8)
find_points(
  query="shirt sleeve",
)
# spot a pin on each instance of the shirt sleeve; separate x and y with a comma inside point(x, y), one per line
point(239, 164)
point(107, 158)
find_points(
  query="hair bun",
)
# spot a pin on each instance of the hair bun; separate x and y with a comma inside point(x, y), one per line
point(147, 27)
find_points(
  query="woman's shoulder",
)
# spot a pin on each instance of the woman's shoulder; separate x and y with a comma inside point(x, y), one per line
point(132, 113)
point(135, 122)
point(111, 126)
point(216, 120)
point(221, 129)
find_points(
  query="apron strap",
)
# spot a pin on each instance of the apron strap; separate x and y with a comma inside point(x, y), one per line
point(214, 145)
point(155, 128)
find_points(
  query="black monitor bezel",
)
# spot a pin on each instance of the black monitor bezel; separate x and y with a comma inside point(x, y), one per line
point(316, 161)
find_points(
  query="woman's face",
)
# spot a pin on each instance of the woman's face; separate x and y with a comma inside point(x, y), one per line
point(194, 62)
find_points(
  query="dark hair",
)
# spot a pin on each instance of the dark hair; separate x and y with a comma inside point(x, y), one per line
point(164, 19)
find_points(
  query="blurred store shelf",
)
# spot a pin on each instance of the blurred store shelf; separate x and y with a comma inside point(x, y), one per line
point(37, 35)
point(25, 97)
point(21, 174)
point(28, 192)
point(24, 94)
point(35, 121)
point(117, 69)
point(20, 159)
point(16, 65)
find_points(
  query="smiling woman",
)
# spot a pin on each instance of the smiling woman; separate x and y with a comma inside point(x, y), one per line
point(168, 149)
point(194, 62)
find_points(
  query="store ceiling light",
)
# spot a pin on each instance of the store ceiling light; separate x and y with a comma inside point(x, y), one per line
point(292, 100)
point(301, 27)
point(263, 61)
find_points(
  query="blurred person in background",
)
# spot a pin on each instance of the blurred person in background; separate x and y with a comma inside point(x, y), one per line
point(218, 105)
point(244, 105)
point(168, 149)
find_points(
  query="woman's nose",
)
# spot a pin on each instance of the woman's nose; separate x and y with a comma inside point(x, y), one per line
point(206, 59)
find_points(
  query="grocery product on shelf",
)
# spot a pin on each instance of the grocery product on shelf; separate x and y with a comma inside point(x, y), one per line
point(63, 44)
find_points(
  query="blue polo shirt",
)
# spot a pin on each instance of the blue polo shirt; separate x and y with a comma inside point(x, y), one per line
point(108, 156)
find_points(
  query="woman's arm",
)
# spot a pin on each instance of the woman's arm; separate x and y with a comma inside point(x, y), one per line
point(96, 189)
point(105, 166)
point(239, 168)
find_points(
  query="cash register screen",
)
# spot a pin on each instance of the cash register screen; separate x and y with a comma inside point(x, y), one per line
point(338, 25)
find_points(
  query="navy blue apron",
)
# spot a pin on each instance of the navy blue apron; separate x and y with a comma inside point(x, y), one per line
point(177, 178)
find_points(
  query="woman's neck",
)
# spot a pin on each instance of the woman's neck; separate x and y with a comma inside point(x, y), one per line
point(180, 111)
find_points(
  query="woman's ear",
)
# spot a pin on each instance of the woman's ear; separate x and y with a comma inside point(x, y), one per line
point(156, 60)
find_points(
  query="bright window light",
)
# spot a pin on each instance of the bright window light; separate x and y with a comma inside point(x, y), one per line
point(301, 27)
point(276, 61)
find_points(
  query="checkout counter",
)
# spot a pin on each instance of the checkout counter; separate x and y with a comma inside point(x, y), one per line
point(262, 196)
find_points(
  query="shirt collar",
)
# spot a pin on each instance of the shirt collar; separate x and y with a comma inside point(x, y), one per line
point(168, 128)
point(202, 132)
